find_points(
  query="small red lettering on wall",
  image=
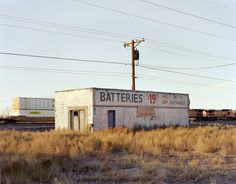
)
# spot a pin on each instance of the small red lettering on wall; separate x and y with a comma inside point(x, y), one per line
point(152, 98)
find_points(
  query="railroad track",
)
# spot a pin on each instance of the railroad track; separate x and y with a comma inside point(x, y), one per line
point(27, 126)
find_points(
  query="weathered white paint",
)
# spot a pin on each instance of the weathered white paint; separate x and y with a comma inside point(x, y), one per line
point(72, 100)
point(169, 108)
point(127, 117)
point(107, 97)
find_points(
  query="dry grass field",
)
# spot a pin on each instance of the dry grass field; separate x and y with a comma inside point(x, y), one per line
point(170, 155)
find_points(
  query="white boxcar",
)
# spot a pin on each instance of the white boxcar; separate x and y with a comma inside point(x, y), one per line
point(95, 109)
point(33, 107)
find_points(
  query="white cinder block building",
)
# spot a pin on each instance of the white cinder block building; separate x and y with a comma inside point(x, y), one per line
point(96, 108)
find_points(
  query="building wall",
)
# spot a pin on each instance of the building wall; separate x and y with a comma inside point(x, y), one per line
point(72, 99)
point(131, 107)
point(127, 117)
point(157, 108)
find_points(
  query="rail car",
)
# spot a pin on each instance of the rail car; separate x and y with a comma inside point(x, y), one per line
point(212, 114)
point(27, 109)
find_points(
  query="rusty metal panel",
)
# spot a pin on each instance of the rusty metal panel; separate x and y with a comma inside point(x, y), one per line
point(108, 97)
point(145, 111)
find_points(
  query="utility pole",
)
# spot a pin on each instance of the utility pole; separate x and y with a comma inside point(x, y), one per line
point(134, 56)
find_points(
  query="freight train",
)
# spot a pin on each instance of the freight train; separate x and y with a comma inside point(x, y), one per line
point(211, 114)
point(27, 109)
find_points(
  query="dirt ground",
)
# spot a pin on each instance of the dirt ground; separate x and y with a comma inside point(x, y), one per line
point(163, 169)
point(205, 155)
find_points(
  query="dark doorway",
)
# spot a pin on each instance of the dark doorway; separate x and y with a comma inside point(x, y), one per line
point(111, 119)
point(78, 120)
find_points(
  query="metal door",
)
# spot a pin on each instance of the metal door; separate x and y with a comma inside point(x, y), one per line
point(83, 125)
point(111, 119)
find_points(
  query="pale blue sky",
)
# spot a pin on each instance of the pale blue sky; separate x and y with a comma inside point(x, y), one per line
point(204, 93)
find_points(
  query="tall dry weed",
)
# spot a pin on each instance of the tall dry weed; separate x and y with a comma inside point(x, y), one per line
point(70, 143)
point(34, 157)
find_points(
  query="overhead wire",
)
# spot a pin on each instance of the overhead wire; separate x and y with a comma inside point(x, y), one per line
point(154, 20)
point(64, 58)
point(146, 47)
point(188, 14)
point(186, 74)
point(66, 71)
point(192, 68)
point(183, 83)
point(180, 54)
point(101, 33)
point(108, 62)
point(116, 63)
point(160, 50)
point(94, 73)
point(64, 26)
point(174, 81)
point(61, 33)
point(185, 49)
point(116, 41)
point(150, 67)
point(167, 81)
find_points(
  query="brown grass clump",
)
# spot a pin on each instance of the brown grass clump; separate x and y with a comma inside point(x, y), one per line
point(28, 157)
point(70, 143)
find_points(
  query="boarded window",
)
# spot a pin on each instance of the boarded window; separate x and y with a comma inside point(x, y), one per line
point(145, 111)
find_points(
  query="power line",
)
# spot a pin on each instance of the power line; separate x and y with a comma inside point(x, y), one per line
point(189, 14)
point(170, 82)
point(186, 74)
point(174, 81)
point(108, 62)
point(193, 68)
point(155, 21)
point(63, 26)
point(116, 41)
point(93, 73)
point(66, 71)
point(177, 47)
point(98, 32)
point(64, 58)
point(56, 32)
point(193, 57)
point(178, 83)
point(176, 53)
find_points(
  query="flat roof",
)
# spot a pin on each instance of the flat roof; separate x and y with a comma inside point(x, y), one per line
point(33, 98)
point(114, 89)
